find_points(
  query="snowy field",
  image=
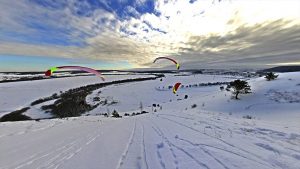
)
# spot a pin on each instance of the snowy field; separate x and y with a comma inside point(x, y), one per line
point(16, 95)
point(206, 130)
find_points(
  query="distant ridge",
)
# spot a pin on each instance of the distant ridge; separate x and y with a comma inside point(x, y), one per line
point(283, 69)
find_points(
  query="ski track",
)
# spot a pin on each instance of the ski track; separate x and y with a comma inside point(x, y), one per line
point(226, 143)
point(144, 148)
point(58, 154)
point(42, 155)
point(175, 160)
point(59, 150)
point(166, 140)
point(129, 143)
point(135, 154)
point(170, 148)
point(30, 130)
point(204, 150)
point(75, 149)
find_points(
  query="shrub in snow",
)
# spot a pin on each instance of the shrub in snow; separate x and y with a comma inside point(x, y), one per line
point(247, 117)
point(126, 114)
point(144, 112)
point(115, 114)
point(194, 106)
point(271, 76)
point(104, 102)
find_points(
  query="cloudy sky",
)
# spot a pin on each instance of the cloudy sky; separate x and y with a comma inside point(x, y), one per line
point(124, 34)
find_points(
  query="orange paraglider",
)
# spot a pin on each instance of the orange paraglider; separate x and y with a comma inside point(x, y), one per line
point(175, 87)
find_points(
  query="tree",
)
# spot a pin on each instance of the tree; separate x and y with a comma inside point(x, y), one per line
point(271, 76)
point(115, 114)
point(240, 86)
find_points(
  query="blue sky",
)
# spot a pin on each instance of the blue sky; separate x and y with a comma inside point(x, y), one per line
point(12, 63)
point(120, 34)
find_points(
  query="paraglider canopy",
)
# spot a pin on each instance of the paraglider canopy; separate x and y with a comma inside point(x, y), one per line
point(86, 69)
point(175, 87)
point(50, 71)
point(174, 61)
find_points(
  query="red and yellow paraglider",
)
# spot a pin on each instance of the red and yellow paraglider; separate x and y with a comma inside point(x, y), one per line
point(175, 87)
point(86, 69)
point(174, 61)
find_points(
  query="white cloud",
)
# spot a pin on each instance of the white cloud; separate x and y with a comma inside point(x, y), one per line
point(202, 31)
point(140, 2)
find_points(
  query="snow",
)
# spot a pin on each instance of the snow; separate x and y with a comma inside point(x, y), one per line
point(129, 96)
point(211, 135)
point(20, 94)
point(262, 103)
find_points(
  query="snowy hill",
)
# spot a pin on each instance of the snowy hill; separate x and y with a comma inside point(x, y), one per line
point(269, 100)
point(205, 130)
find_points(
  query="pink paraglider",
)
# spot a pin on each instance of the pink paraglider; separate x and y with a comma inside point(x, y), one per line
point(86, 69)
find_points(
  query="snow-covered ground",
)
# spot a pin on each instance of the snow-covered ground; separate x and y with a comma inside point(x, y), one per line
point(16, 95)
point(211, 135)
point(269, 100)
